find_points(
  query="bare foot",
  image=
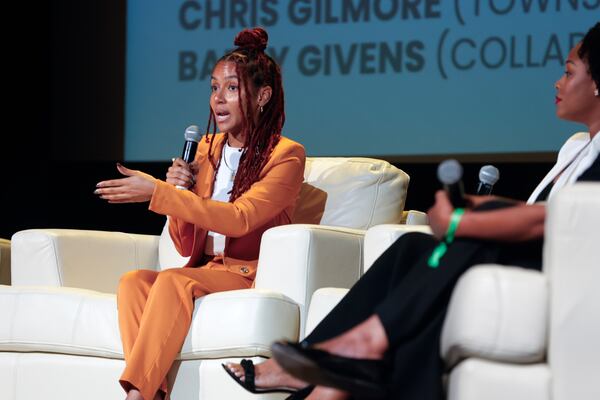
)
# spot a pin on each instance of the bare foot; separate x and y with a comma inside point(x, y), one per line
point(366, 340)
point(327, 393)
point(268, 375)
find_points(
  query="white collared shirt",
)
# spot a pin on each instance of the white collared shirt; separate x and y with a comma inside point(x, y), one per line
point(575, 156)
point(230, 160)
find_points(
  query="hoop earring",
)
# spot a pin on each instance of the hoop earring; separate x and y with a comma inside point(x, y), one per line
point(261, 107)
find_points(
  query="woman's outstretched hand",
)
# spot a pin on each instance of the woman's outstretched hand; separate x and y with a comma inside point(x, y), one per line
point(137, 187)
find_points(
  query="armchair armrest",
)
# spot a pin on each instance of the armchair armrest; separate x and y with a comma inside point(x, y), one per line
point(322, 302)
point(572, 266)
point(378, 238)
point(498, 313)
point(78, 258)
point(242, 322)
point(414, 217)
point(298, 259)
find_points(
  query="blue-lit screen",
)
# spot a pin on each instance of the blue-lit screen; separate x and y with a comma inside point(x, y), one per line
point(363, 77)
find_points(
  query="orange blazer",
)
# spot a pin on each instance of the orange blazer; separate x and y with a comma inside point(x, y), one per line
point(269, 202)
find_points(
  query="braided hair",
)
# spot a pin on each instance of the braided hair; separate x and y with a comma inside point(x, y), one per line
point(254, 69)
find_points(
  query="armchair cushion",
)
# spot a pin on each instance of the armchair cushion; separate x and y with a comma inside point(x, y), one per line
point(84, 322)
point(352, 192)
point(79, 258)
point(476, 379)
point(498, 313)
point(59, 320)
point(168, 257)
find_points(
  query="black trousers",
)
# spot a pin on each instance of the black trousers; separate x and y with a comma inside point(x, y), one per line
point(411, 299)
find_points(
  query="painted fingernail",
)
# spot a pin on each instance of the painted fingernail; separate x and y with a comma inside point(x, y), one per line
point(97, 191)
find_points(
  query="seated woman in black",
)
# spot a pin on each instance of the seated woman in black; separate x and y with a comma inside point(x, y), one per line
point(382, 339)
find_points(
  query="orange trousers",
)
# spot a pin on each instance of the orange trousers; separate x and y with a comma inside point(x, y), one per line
point(155, 313)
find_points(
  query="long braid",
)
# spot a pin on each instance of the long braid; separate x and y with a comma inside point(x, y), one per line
point(210, 139)
point(254, 70)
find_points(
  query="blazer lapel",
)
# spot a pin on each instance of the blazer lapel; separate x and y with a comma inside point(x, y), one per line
point(206, 174)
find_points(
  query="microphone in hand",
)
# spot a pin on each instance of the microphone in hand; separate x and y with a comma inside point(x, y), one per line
point(450, 173)
point(192, 137)
point(488, 176)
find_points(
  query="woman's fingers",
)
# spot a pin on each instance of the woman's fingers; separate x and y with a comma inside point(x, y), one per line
point(126, 171)
point(178, 162)
point(180, 176)
point(117, 182)
point(117, 195)
point(110, 183)
point(137, 187)
point(194, 167)
point(178, 179)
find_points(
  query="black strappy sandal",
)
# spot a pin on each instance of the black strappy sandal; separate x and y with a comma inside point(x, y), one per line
point(301, 393)
point(365, 378)
point(248, 382)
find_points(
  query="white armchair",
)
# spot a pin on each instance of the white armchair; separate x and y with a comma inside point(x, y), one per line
point(518, 334)
point(60, 339)
point(511, 333)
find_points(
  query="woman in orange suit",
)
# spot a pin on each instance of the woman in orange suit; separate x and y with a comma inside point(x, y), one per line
point(242, 182)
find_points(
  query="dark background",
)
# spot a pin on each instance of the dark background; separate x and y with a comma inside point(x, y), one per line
point(64, 126)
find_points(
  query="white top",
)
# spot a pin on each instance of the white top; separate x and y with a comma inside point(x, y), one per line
point(230, 160)
point(575, 156)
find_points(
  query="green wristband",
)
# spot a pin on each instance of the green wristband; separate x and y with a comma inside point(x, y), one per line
point(442, 247)
point(453, 225)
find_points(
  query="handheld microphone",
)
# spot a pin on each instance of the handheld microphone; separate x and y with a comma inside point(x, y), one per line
point(192, 137)
point(488, 176)
point(450, 173)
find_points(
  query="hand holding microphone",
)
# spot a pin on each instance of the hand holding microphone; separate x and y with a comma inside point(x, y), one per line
point(450, 173)
point(192, 137)
point(443, 220)
point(445, 216)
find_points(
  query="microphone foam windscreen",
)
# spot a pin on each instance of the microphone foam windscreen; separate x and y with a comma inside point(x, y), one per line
point(449, 172)
point(489, 174)
point(192, 133)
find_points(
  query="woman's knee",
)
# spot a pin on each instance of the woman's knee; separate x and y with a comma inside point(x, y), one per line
point(136, 278)
point(170, 277)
